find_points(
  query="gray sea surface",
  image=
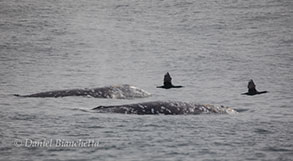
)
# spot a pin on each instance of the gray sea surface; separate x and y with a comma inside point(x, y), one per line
point(211, 47)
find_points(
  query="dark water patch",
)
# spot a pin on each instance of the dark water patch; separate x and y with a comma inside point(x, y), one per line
point(278, 149)
point(121, 125)
point(154, 125)
point(259, 155)
point(241, 110)
point(82, 122)
point(5, 104)
point(121, 6)
point(109, 132)
point(80, 134)
point(94, 118)
point(77, 159)
point(95, 127)
point(177, 153)
point(262, 131)
point(80, 114)
point(61, 149)
point(206, 151)
point(286, 106)
point(289, 42)
point(5, 149)
point(222, 144)
point(109, 147)
point(25, 117)
point(136, 130)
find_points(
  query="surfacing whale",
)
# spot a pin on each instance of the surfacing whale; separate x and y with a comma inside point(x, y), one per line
point(168, 82)
point(252, 90)
point(165, 107)
point(119, 92)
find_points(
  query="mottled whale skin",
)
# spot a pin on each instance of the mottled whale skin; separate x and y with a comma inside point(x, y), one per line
point(124, 91)
point(165, 108)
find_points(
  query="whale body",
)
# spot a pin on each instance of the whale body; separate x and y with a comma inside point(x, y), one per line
point(165, 107)
point(119, 92)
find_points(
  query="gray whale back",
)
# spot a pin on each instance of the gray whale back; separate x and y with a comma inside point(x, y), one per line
point(164, 107)
point(119, 92)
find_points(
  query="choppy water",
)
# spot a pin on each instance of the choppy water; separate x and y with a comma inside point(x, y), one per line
point(212, 47)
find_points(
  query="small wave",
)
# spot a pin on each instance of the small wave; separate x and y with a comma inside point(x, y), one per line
point(95, 127)
point(262, 131)
point(241, 110)
point(2, 149)
point(277, 149)
point(80, 109)
point(23, 117)
point(60, 149)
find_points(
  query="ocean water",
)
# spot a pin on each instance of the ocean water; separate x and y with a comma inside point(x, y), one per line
point(211, 47)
